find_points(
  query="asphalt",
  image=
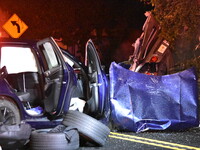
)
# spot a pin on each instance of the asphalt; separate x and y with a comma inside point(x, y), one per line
point(156, 140)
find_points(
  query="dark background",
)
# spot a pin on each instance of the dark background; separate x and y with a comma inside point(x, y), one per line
point(65, 16)
point(117, 23)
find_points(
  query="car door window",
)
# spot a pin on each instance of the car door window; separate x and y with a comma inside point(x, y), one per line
point(18, 59)
point(50, 56)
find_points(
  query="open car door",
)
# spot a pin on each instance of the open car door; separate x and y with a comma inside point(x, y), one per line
point(98, 81)
point(56, 77)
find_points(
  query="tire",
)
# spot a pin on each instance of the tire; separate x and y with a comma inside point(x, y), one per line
point(14, 136)
point(89, 128)
point(55, 139)
point(15, 132)
point(9, 113)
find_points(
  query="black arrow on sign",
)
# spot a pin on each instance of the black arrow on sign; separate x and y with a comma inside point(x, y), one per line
point(14, 23)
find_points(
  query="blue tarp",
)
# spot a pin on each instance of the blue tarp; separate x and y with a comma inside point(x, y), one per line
point(141, 102)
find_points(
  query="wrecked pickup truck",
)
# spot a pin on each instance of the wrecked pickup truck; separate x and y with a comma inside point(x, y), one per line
point(144, 95)
point(151, 54)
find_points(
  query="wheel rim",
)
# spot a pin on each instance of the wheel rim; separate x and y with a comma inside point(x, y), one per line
point(7, 116)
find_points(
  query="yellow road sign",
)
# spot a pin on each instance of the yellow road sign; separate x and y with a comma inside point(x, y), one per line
point(15, 27)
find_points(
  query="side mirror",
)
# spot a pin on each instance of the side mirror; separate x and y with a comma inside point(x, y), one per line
point(3, 72)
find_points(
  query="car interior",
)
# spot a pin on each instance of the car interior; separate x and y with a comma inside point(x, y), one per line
point(23, 77)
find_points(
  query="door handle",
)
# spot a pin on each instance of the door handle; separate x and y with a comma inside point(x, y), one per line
point(47, 73)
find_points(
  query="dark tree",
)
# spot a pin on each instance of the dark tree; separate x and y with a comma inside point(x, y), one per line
point(180, 22)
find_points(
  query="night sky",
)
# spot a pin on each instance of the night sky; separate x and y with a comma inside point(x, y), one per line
point(68, 15)
point(74, 20)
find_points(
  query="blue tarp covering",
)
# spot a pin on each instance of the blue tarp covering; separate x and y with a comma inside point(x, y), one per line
point(141, 102)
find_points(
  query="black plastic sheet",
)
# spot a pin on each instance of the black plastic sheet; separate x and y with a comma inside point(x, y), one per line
point(141, 102)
